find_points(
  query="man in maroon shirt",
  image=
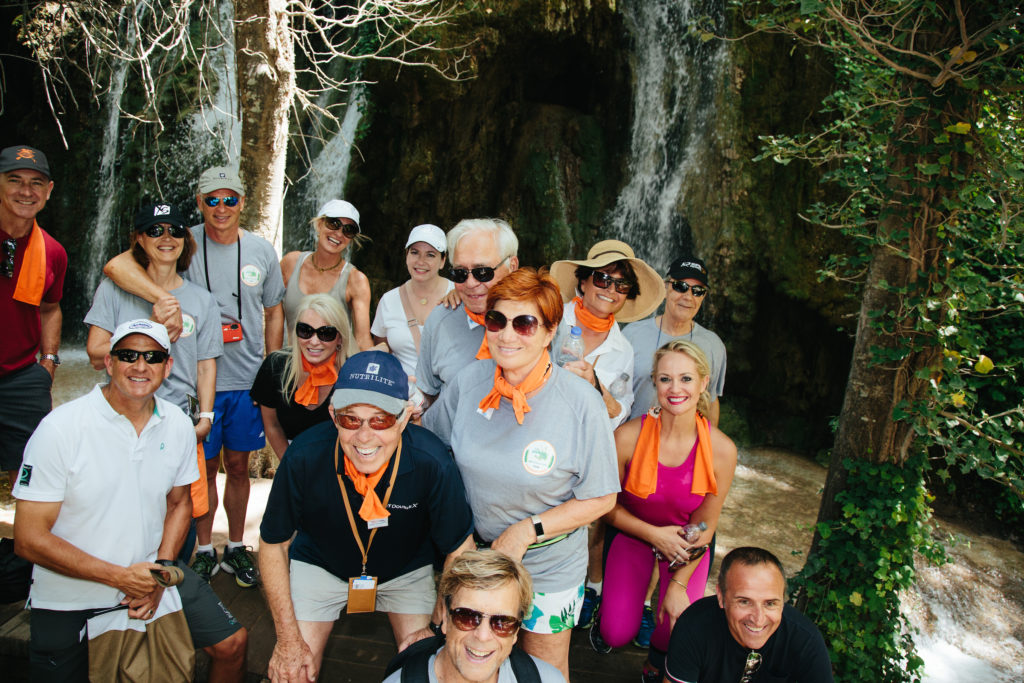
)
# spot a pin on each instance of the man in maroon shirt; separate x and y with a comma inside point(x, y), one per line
point(32, 267)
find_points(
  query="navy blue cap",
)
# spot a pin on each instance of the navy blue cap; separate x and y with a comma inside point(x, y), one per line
point(375, 378)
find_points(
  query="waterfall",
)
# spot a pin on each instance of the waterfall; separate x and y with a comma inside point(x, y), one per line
point(675, 81)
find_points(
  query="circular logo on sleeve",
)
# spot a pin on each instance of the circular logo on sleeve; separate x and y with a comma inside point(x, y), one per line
point(188, 325)
point(251, 275)
point(539, 457)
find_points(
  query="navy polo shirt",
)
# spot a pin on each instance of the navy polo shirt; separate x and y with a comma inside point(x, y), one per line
point(428, 507)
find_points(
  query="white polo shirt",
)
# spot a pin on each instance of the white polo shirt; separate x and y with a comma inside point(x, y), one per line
point(112, 485)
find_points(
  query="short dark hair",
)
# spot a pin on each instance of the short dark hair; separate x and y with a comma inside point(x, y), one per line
point(749, 557)
point(623, 266)
point(184, 259)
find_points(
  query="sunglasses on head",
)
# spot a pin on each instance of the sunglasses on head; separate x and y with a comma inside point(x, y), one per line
point(347, 229)
point(229, 202)
point(684, 287)
point(132, 355)
point(466, 619)
point(525, 325)
point(480, 273)
point(602, 280)
point(751, 666)
point(157, 230)
point(377, 422)
point(325, 333)
point(7, 265)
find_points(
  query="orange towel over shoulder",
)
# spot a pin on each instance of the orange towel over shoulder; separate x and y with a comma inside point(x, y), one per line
point(32, 278)
point(643, 470)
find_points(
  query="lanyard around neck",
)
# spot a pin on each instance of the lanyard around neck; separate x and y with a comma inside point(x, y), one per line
point(238, 271)
point(348, 507)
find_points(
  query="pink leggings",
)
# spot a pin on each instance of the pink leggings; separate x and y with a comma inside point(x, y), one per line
point(627, 574)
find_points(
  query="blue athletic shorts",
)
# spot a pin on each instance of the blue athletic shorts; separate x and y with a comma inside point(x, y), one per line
point(237, 425)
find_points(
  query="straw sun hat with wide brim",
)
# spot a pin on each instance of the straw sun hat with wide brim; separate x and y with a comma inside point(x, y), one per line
point(652, 289)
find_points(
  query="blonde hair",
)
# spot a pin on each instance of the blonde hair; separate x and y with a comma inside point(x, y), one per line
point(688, 348)
point(484, 570)
point(333, 313)
point(358, 241)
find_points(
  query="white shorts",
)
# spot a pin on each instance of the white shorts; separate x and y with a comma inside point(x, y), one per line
point(555, 612)
point(318, 595)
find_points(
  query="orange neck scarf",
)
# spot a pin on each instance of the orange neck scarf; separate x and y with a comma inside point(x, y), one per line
point(321, 375)
point(517, 394)
point(484, 351)
point(366, 486)
point(591, 321)
point(643, 470)
point(32, 278)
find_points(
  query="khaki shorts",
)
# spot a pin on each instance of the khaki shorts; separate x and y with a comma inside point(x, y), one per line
point(318, 595)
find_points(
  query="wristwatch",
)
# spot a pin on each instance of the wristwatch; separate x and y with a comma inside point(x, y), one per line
point(52, 357)
point(538, 527)
point(210, 414)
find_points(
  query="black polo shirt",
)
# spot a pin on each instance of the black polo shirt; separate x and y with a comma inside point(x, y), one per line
point(293, 417)
point(428, 507)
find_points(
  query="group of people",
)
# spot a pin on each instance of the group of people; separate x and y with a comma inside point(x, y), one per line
point(494, 425)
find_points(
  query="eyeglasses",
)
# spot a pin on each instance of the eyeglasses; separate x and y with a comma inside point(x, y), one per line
point(525, 325)
point(347, 229)
point(602, 279)
point(157, 230)
point(7, 266)
point(466, 619)
point(132, 355)
point(229, 202)
point(684, 287)
point(481, 273)
point(325, 333)
point(752, 665)
point(377, 422)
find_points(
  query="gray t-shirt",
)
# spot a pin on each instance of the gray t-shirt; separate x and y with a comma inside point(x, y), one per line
point(564, 449)
point(646, 337)
point(200, 332)
point(250, 264)
point(449, 343)
point(548, 673)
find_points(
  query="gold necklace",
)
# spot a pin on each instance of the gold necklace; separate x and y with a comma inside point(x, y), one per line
point(312, 259)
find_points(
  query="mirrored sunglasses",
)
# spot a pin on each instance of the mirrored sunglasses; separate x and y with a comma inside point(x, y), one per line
point(229, 202)
point(602, 280)
point(480, 273)
point(132, 355)
point(525, 325)
point(325, 333)
point(157, 230)
point(347, 229)
point(684, 287)
point(466, 619)
point(377, 422)
point(7, 265)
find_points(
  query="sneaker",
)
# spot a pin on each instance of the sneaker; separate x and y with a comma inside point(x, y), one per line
point(205, 565)
point(591, 601)
point(643, 636)
point(239, 562)
point(596, 641)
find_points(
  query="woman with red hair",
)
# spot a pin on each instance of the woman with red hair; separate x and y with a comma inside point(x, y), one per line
point(534, 445)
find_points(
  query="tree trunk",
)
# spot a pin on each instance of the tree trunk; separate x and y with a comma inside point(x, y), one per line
point(265, 59)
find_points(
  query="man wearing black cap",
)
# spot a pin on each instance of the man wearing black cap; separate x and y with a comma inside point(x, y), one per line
point(686, 287)
point(32, 267)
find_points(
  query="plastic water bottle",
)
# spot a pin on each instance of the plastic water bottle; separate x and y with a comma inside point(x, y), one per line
point(691, 532)
point(620, 386)
point(572, 347)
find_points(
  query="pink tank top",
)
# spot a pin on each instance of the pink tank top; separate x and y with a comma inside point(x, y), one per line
point(671, 502)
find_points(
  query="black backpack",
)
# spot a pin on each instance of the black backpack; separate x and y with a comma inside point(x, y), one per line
point(414, 659)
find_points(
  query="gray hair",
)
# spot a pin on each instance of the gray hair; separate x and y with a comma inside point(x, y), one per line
point(500, 231)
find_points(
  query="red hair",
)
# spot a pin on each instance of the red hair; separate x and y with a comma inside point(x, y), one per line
point(526, 284)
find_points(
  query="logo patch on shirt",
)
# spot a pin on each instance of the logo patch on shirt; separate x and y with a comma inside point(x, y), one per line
point(188, 325)
point(251, 275)
point(539, 457)
point(26, 475)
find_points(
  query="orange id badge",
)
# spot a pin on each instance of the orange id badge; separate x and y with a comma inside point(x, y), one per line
point(362, 594)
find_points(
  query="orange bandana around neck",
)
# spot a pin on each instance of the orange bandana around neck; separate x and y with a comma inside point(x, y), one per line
point(483, 352)
point(32, 278)
point(643, 470)
point(322, 375)
point(517, 394)
point(366, 485)
point(591, 321)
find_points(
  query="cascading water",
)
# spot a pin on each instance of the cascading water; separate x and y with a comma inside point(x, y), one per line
point(675, 78)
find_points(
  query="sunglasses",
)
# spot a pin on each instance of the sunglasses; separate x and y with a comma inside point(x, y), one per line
point(466, 619)
point(325, 333)
point(229, 202)
point(602, 280)
point(481, 273)
point(132, 355)
point(347, 229)
point(751, 666)
point(525, 325)
point(157, 230)
point(377, 422)
point(7, 266)
point(684, 287)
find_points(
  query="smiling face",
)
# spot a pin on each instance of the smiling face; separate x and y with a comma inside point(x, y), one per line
point(366, 448)
point(222, 218)
point(476, 655)
point(474, 250)
point(139, 380)
point(682, 307)
point(163, 249)
point(313, 349)
point(23, 194)
point(753, 600)
point(331, 242)
point(678, 383)
point(514, 353)
point(423, 261)
point(603, 302)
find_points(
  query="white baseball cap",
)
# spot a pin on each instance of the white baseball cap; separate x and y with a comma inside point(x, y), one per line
point(429, 233)
point(339, 208)
point(154, 331)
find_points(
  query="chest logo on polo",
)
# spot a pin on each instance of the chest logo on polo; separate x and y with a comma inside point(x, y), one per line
point(188, 325)
point(251, 275)
point(539, 457)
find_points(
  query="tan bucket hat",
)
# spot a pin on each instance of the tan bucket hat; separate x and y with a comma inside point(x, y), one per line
point(652, 288)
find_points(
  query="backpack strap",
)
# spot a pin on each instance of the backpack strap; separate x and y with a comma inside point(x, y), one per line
point(523, 667)
point(414, 659)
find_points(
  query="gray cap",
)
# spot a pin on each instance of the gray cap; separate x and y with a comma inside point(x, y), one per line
point(221, 178)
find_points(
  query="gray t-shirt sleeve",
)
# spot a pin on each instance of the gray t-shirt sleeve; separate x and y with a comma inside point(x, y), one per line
point(426, 380)
point(103, 313)
point(441, 413)
point(210, 342)
point(273, 290)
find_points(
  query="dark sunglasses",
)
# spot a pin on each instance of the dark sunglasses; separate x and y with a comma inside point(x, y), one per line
point(525, 325)
point(347, 229)
point(157, 230)
point(481, 273)
point(684, 287)
point(132, 355)
point(466, 619)
point(377, 422)
point(7, 266)
point(229, 202)
point(325, 333)
point(751, 666)
point(602, 279)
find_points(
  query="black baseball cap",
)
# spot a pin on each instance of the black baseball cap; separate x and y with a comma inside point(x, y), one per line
point(688, 267)
point(154, 214)
point(23, 156)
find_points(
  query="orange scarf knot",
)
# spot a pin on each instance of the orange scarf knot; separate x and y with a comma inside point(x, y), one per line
point(643, 470)
point(320, 375)
point(591, 321)
point(484, 351)
point(366, 486)
point(517, 394)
